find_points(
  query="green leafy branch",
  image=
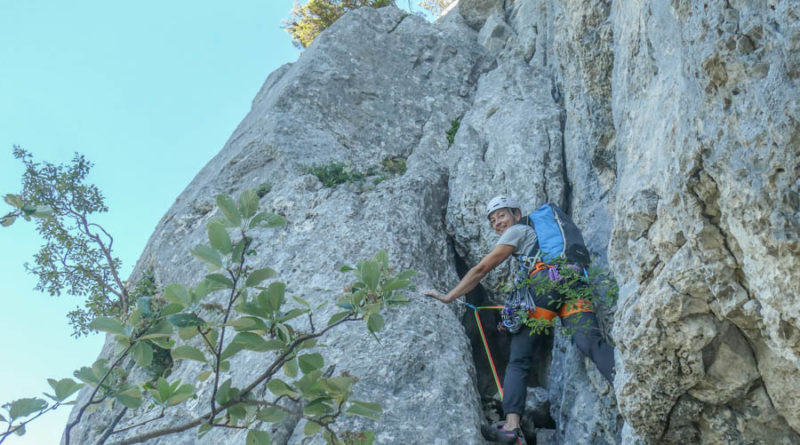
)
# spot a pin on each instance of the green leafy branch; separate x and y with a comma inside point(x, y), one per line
point(77, 256)
point(184, 322)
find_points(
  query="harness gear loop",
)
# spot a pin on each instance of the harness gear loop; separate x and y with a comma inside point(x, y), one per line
point(538, 267)
point(575, 307)
point(540, 312)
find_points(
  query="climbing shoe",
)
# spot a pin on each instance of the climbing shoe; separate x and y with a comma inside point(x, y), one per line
point(496, 433)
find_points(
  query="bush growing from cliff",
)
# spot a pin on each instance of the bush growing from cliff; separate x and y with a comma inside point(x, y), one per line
point(310, 19)
point(337, 173)
point(455, 124)
point(77, 256)
point(184, 321)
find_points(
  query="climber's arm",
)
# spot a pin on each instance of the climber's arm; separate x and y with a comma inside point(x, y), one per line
point(499, 254)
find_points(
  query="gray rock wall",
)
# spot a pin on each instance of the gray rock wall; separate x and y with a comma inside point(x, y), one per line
point(669, 131)
point(706, 222)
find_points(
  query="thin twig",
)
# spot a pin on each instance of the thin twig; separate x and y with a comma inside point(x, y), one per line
point(13, 430)
point(130, 427)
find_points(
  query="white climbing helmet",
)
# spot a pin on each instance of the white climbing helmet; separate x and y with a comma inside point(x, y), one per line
point(501, 202)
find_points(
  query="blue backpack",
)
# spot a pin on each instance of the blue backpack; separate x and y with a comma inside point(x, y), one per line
point(557, 236)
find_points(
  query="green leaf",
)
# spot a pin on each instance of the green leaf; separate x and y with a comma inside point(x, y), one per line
point(302, 302)
point(144, 304)
point(177, 294)
point(238, 250)
point(270, 414)
point(406, 274)
point(161, 329)
point(162, 391)
point(231, 350)
point(203, 376)
point(294, 313)
point(86, 375)
point(64, 387)
point(382, 258)
point(346, 269)
point(218, 237)
point(142, 353)
point(257, 276)
point(281, 388)
point(131, 397)
point(365, 409)
point(317, 407)
point(229, 209)
point(185, 320)
point(13, 200)
point(43, 212)
point(367, 438)
point(7, 220)
point(248, 203)
point(267, 220)
point(217, 281)
point(110, 325)
point(203, 430)
point(186, 352)
point(255, 437)
point(25, 407)
point(374, 322)
point(251, 342)
point(188, 333)
point(284, 332)
point(370, 274)
point(338, 316)
point(208, 255)
point(275, 293)
point(181, 394)
point(248, 324)
point(290, 368)
point(171, 308)
point(163, 342)
point(310, 362)
point(339, 385)
point(237, 411)
point(311, 428)
point(395, 284)
point(225, 393)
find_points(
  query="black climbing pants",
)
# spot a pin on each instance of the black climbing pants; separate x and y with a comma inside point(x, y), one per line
point(587, 337)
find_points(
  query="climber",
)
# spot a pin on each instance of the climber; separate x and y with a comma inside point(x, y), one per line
point(519, 240)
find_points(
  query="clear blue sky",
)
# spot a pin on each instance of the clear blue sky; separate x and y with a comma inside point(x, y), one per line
point(148, 91)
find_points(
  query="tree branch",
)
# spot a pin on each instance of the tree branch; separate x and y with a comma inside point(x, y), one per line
point(208, 417)
point(130, 427)
point(13, 430)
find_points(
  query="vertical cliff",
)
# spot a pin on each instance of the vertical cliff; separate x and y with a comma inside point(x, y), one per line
point(667, 129)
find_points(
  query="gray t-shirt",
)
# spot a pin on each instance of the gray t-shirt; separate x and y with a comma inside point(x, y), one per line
point(521, 236)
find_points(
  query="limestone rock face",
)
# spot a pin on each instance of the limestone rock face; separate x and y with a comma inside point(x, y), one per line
point(705, 240)
point(668, 131)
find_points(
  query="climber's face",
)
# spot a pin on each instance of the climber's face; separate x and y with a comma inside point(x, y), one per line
point(502, 219)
